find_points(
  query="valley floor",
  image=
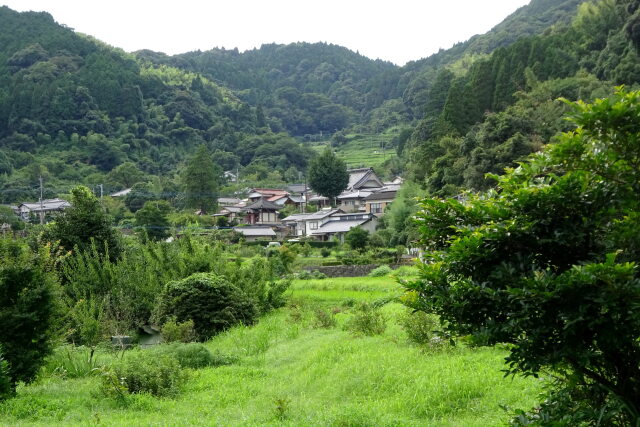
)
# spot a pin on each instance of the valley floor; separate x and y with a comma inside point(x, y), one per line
point(291, 371)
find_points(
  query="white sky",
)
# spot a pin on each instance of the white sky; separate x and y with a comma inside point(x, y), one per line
point(393, 30)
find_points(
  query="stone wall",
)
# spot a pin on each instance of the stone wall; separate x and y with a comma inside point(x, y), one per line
point(347, 270)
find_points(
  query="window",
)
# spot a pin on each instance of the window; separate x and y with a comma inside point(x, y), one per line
point(313, 225)
point(376, 208)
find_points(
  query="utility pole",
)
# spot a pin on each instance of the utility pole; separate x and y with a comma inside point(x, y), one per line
point(101, 191)
point(41, 203)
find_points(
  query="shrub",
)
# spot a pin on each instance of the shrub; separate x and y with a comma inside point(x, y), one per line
point(144, 372)
point(420, 327)
point(191, 355)
point(324, 319)
point(357, 238)
point(211, 301)
point(383, 270)
point(368, 320)
point(27, 308)
point(174, 331)
point(69, 361)
point(325, 252)
point(311, 275)
point(6, 388)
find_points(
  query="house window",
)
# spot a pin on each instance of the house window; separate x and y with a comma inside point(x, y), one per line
point(313, 225)
point(376, 208)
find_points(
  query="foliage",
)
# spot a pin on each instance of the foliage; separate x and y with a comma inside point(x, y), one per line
point(6, 387)
point(84, 224)
point(139, 373)
point(182, 332)
point(328, 174)
point(201, 179)
point(367, 320)
point(70, 361)
point(210, 300)
point(28, 306)
point(552, 255)
point(311, 275)
point(357, 238)
point(421, 327)
point(381, 271)
point(153, 220)
point(190, 355)
point(324, 319)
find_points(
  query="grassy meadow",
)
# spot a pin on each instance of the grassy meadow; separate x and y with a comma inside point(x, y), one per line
point(302, 365)
point(363, 150)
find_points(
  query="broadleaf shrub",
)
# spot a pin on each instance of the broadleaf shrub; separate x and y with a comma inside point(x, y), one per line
point(549, 265)
point(211, 301)
point(381, 271)
point(367, 320)
point(143, 372)
point(191, 355)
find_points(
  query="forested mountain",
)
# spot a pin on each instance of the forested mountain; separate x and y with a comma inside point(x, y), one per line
point(73, 110)
point(504, 106)
point(307, 88)
point(310, 88)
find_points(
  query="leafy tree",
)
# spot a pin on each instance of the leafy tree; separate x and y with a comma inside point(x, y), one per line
point(141, 193)
point(7, 216)
point(27, 309)
point(200, 179)
point(152, 218)
point(125, 175)
point(210, 301)
point(328, 174)
point(549, 265)
point(83, 224)
point(357, 238)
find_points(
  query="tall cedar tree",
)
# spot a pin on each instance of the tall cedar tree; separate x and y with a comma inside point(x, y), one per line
point(328, 174)
point(200, 179)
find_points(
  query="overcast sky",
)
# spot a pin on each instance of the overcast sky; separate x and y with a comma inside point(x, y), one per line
point(393, 30)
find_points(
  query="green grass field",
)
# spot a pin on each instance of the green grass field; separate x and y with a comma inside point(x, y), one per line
point(291, 372)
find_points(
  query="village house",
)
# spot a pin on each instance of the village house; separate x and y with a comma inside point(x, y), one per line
point(27, 211)
point(377, 202)
point(301, 225)
point(337, 225)
point(253, 233)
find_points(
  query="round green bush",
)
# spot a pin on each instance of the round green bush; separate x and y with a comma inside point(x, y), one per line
point(211, 301)
point(192, 355)
point(381, 271)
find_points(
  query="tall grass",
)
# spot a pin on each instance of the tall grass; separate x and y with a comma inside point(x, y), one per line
point(287, 371)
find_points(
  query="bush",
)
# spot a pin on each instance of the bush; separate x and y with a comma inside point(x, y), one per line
point(27, 308)
point(69, 361)
point(325, 252)
point(182, 332)
point(368, 320)
point(383, 270)
point(420, 327)
point(211, 301)
point(324, 319)
point(6, 388)
point(192, 355)
point(143, 372)
point(311, 275)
